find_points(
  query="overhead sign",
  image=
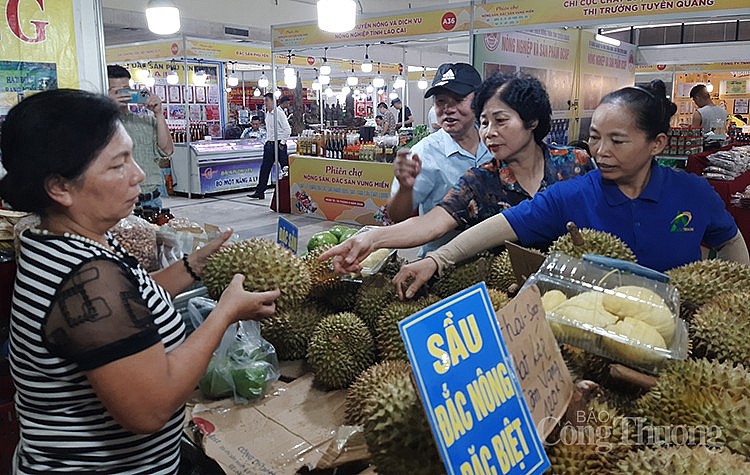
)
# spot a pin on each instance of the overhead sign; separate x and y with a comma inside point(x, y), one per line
point(512, 14)
point(410, 24)
point(469, 388)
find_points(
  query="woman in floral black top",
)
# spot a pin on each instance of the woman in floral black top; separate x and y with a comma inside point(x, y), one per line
point(514, 116)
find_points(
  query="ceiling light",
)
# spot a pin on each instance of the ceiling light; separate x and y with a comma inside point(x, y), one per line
point(366, 65)
point(163, 17)
point(276, 93)
point(399, 82)
point(256, 92)
point(369, 89)
point(352, 80)
point(357, 92)
point(324, 79)
point(290, 81)
point(172, 77)
point(263, 81)
point(329, 92)
point(316, 85)
point(200, 77)
point(607, 40)
point(392, 95)
point(709, 86)
point(288, 71)
point(346, 90)
point(422, 83)
point(381, 91)
point(233, 81)
point(150, 81)
point(142, 74)
point(378, 80)
point(336, 16)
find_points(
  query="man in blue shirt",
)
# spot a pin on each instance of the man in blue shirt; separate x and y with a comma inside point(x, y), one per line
point(426, 173)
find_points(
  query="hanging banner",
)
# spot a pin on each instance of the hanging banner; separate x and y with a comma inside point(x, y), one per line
point(38, 49)
point(604, 68)
point(742, 68)
point(410, 24)
point(144, 51)
point(513, 14)
point(346, 191)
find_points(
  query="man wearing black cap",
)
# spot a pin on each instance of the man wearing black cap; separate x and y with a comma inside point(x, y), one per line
point(400, 121)
point(426, 172)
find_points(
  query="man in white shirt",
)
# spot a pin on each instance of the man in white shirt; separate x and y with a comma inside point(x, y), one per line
point(277, 133)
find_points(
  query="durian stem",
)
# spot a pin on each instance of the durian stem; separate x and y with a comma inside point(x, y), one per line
point(623, 373)
point(575, 234)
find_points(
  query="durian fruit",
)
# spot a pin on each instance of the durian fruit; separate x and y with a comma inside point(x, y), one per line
point(593, 447)
point(340, 349)
point(463, 275)
point(720, 328)
point(373, 296)
point(388, 338)
point(322, 275)
point(594, 242)
point(681, 459)
point(341, 296)
point(642, 304)
point(358, 395)
point(498, 298)
point(266, 265)
point(502, 276)
point(699, 281)
point(585, 308)
point(396, 429)
point(711, 396)
point(391, 268)
point(552, 299)
point(290, 330)
point(635, 331)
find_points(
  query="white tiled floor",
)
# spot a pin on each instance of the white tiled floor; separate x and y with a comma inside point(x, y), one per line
point(249, 217)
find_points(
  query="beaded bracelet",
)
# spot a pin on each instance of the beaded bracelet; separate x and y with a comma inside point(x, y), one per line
point(189, 269)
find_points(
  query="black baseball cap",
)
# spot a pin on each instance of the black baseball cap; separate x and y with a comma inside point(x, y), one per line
point(459, 78)
point(395, 101)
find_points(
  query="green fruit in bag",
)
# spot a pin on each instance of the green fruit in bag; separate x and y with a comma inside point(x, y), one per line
point(250, 381)
point(337, 230)
point(213, 384)
point(323, 237)
point(347, 234)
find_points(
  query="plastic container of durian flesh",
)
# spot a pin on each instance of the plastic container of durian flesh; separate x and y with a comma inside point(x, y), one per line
point(626, 317)
point(372, 264)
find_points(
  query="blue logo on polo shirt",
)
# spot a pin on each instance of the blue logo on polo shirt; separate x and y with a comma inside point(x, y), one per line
point(681, 221)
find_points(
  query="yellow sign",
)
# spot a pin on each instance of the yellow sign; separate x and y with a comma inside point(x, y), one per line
point(228, 51)
point(564, 12)
point(144, 51)
point(409, 24)
point(687, 68)
point(346, 191)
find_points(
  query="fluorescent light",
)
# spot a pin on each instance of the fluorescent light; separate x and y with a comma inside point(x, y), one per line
point(336, 16)
point(352, 80)
point(163, 17)
point(172, 77)
point(607, 40)
point(263, 81)
point(378, 81)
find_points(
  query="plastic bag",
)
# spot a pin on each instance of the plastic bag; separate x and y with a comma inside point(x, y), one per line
point(243, 366)
point(138, 237)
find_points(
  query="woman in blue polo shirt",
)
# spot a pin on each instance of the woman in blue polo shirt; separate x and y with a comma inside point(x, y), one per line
point(514, 114)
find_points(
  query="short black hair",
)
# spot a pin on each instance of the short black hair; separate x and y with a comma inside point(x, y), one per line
point(649, 104)
point(525, 94)
point(55, 133)
point(283, 99)
point(382, 104)
point(268, 95)
point(698, 90)
point(255, 117)
point(116, 71)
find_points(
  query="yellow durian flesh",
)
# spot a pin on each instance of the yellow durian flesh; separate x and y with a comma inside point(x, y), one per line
point(637, 331)
point(552, 299)
point(631, 301)
point(585, 308)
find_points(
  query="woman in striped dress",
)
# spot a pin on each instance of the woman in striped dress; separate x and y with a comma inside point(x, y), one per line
point(98, 355)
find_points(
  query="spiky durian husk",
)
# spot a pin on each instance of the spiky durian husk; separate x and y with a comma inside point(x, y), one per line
point(595, 242)
point(341, 348)
point(683, 460)
point(358, 401)
point(720, 328)
point(388, 338)
point(290, 330)
point(501, 272)
point(266, 265)
point(593, 447)
point(498, 298)
point(373, 296)
point(702, 394)
point(391, 268)
point(463, 275)
point(322, 275)
point(699, 281)
point(341, 296)
point(397, 431)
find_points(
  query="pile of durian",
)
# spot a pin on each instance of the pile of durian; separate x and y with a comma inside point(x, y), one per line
point(348, 333)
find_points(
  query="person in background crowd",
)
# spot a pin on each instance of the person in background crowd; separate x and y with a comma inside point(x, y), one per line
point(389, 122)
point(152, 142)
point(378, 124)
point(432, 120)
point(709, 116)
point(402, 119)
point(514, 114)
point(277, 133)
point(98, 353)
point(255, 131)
point(232, 130)
point(662, 214)
point(285, 103)
point(425, 174)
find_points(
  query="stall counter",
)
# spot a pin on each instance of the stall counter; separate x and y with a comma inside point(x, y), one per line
point(346, 191)
point(215, 166)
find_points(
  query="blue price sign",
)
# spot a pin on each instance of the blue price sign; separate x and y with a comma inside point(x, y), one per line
point(286, 234)
point(468, 385)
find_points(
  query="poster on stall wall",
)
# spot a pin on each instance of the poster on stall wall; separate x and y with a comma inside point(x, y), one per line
point(549, 55)
point(346, 191)
point(38, 50)
point(604, 68)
